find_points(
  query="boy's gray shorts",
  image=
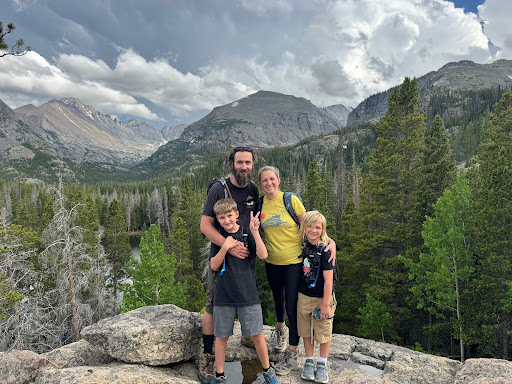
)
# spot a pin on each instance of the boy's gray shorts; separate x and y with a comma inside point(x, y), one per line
point(251, 320)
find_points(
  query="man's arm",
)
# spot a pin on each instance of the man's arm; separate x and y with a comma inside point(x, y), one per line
point(215, 237)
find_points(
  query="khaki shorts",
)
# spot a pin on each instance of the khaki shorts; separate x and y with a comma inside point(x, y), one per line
point(322, 329)
point(211, 282)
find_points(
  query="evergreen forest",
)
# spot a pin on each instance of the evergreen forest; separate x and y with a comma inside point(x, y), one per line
point(420, 207)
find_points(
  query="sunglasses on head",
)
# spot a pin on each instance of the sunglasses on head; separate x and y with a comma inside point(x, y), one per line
point(240, 148)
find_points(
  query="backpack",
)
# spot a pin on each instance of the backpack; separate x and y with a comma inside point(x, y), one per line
point(287, 200)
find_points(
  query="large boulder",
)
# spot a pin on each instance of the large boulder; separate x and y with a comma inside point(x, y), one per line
point(485, 371)
point(114, 373)
point(155, 335)
point(20, 367)
point(77, 354)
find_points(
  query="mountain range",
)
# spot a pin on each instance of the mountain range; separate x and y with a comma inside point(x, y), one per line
point(453, 77)
point(68, 137)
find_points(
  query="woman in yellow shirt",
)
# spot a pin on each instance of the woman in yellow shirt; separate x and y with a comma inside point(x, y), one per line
point(284, 264)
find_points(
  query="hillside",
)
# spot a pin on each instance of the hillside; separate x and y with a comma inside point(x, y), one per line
point(454, 80)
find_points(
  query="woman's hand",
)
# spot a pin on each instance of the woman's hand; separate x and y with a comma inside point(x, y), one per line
point(332, 247)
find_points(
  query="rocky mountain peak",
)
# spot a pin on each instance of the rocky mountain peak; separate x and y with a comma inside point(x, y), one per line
point(264, 119)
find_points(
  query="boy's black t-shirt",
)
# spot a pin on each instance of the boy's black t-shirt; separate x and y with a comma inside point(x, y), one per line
point(236, 286)
point(315, 261)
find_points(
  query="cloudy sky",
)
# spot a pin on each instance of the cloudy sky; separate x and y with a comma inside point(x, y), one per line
point(168, 62)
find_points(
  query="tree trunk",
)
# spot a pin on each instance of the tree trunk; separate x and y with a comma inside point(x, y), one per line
point(73, 300)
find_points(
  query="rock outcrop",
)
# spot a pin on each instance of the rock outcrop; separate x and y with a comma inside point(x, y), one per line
point(159, 344)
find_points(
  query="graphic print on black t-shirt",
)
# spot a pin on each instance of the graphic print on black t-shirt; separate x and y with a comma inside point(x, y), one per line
point(315, 261)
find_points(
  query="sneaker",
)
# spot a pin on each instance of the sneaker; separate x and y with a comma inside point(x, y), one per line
point(246, 341)
point(206, 371)
point(321, 375)
point(308, 372)
point(220, 379)
point(270, 376)
point(280, 338)
point(288, 363)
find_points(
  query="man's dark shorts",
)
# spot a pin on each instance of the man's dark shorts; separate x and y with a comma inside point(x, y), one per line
point(210, 290)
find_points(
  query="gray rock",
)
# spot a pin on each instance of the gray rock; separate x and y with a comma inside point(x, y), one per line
point(155, 335)
point(114, 373)
point(485, 371)
point(77, 354)
point(20, 367)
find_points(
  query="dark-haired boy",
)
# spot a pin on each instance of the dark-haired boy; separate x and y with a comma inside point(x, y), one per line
point(236, 293)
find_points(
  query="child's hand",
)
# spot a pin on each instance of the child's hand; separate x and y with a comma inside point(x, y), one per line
point(324, 311)
point(254, 224)
point(229, 243)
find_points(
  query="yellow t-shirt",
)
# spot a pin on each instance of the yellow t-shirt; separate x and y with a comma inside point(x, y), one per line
point(280, 232)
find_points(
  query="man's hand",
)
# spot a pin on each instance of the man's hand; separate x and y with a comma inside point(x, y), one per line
point(238, 250)
point(229, 243)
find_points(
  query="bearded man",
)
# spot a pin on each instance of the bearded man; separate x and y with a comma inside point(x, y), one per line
point(245, 193)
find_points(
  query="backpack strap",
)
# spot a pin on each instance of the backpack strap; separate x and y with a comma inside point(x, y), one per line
point(313, 285)
point(287, 200)
point(227, 192)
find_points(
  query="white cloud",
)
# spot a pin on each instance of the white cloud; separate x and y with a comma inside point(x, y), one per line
point(327, 51)
point(31, 78)
point(261, 7)
point(496, 17)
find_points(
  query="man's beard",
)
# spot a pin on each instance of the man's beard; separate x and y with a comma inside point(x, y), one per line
point(242, 179)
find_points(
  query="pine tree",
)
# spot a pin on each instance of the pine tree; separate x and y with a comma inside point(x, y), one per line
point(314, 192)
point(180, 248)
point(116, 243)
point(491, 181)
point(438, 172)
point(390, 192)
point(153, 281)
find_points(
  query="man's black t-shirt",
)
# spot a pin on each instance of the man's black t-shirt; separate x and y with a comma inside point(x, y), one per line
point(315, 261)
point(246, 200)
point(236, 286)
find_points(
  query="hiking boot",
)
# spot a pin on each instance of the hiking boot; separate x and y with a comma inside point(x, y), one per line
point(308, 372)
point(279, 338)
point(270, 376)
point(221, 379)
point(321, 375)
point(206, 372)
point(288, 363)
point(246, 341)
